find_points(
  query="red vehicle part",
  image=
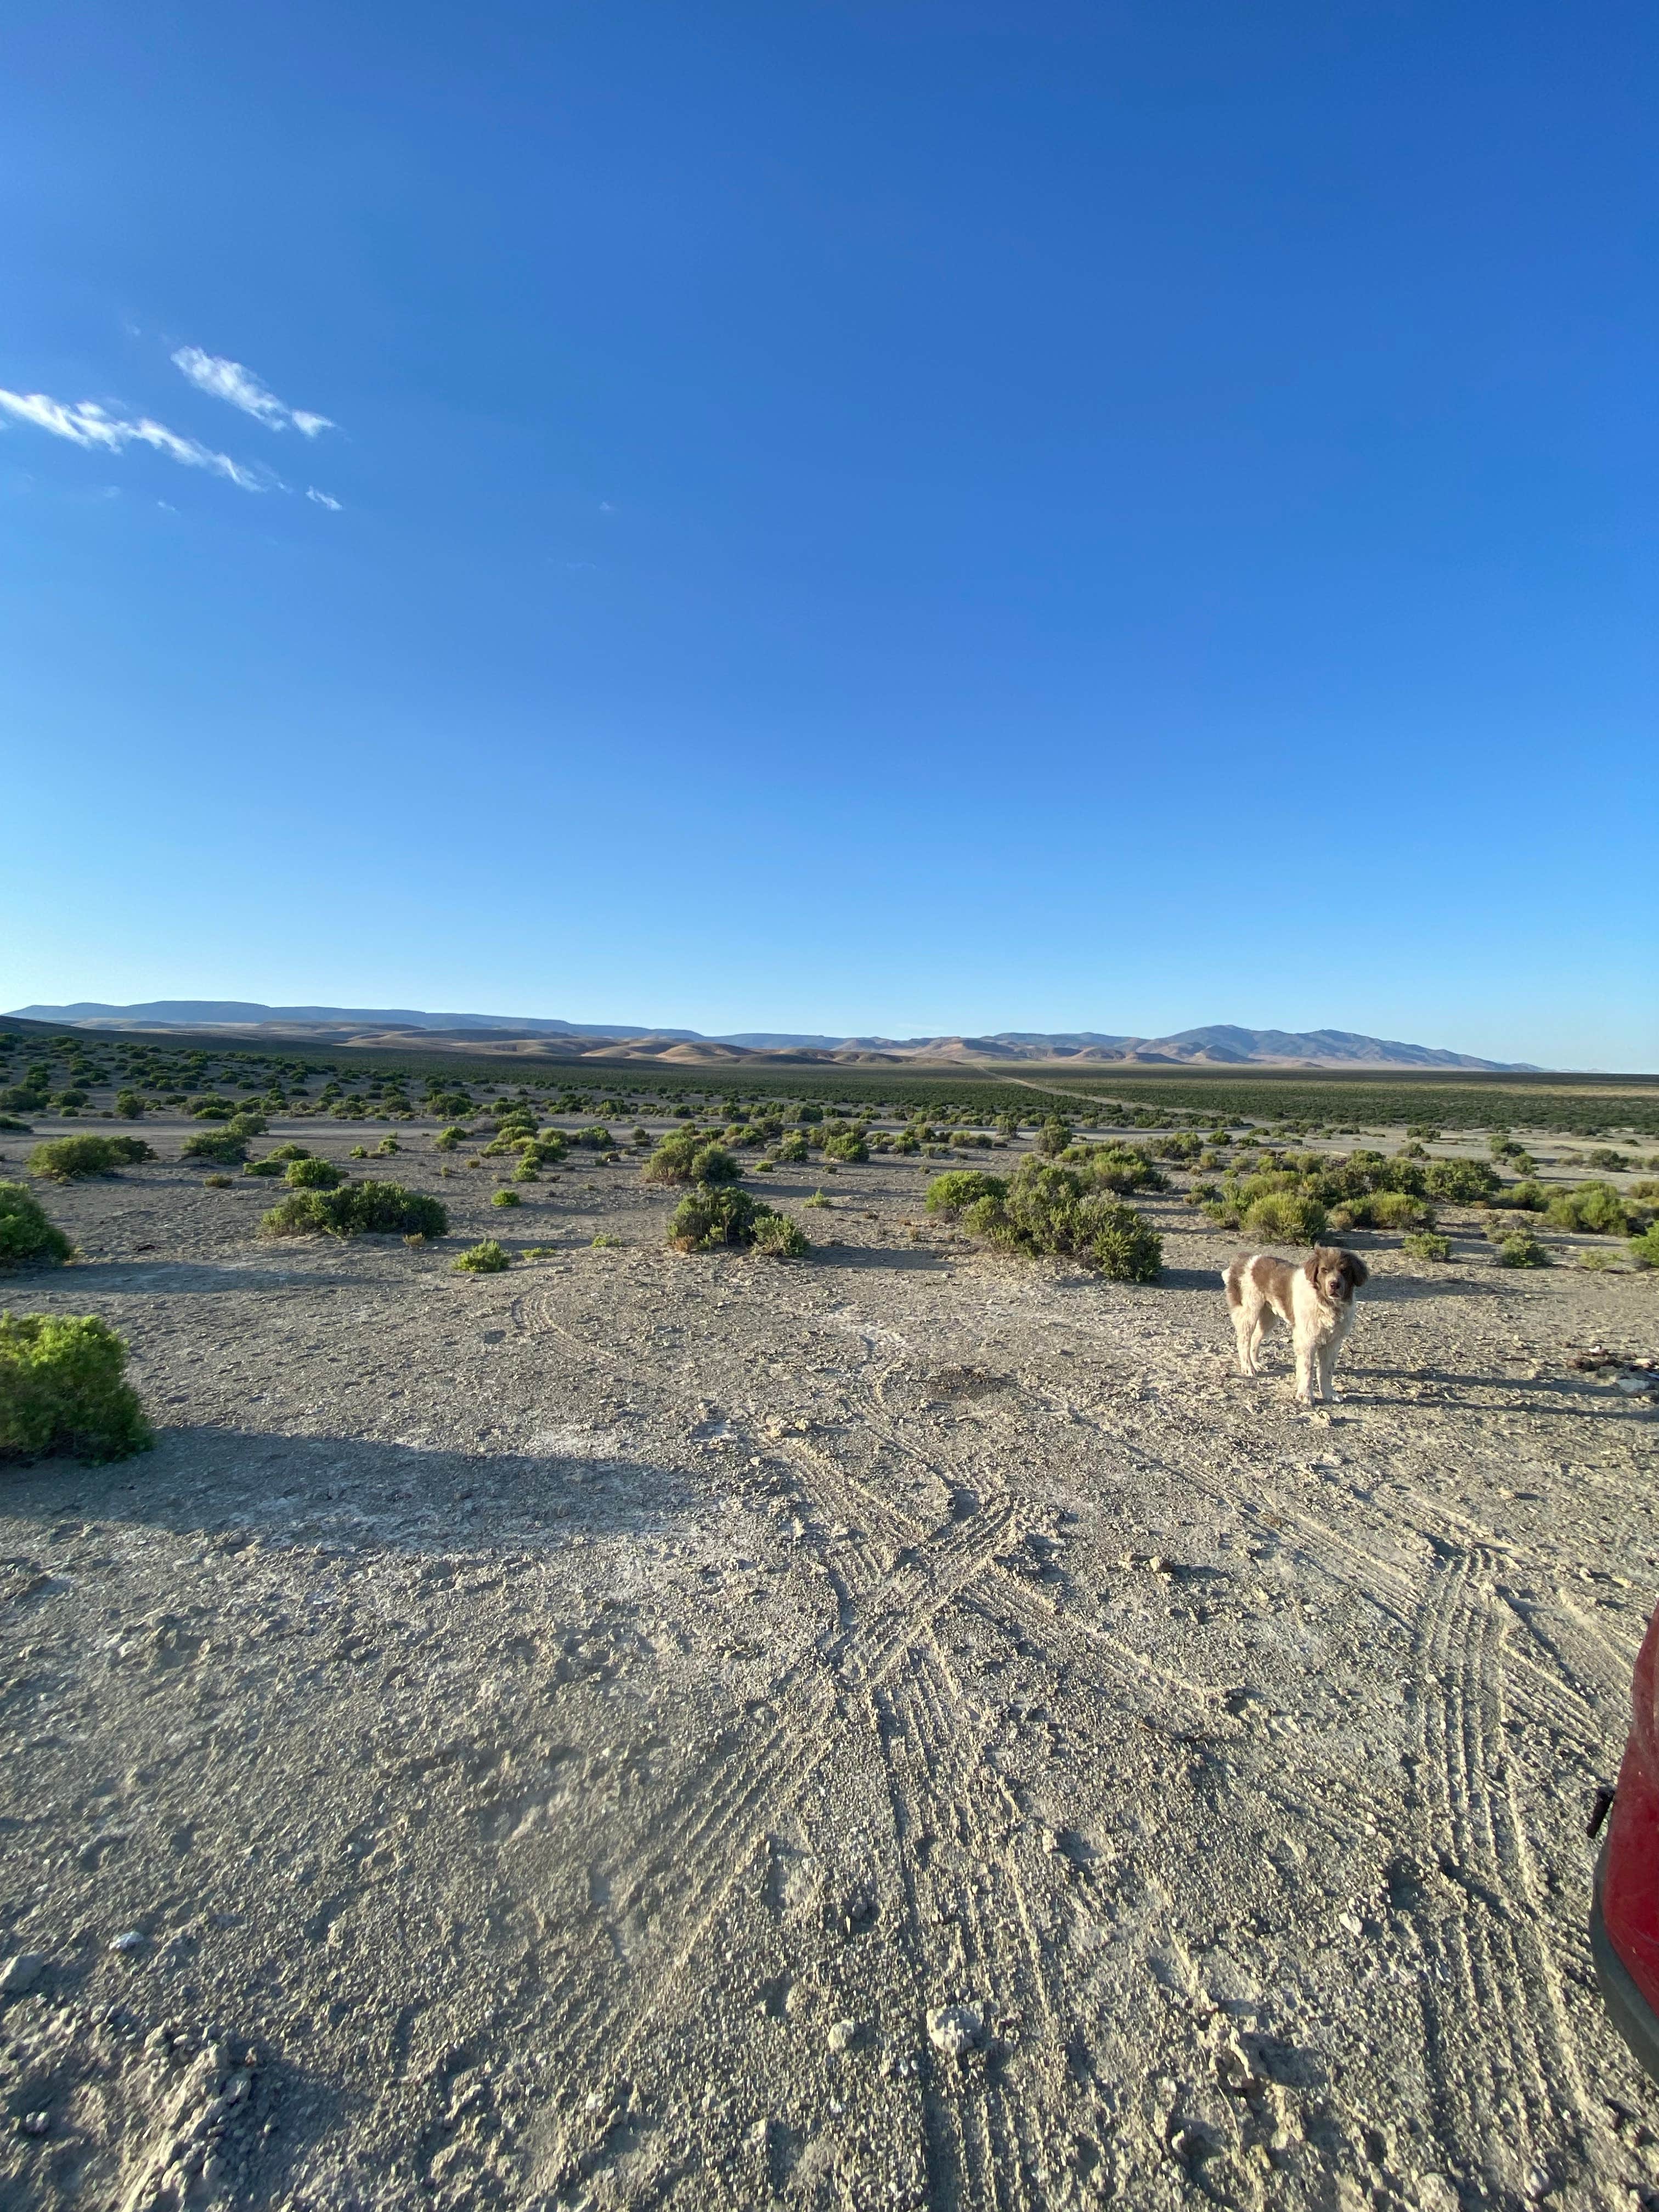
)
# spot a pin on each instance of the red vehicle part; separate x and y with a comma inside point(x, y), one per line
point(1625, 1914)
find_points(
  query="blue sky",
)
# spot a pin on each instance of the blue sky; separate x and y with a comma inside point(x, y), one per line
point(862, 517)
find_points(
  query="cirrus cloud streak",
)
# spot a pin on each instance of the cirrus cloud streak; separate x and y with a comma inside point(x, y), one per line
point(240, 387)
point(87, 424)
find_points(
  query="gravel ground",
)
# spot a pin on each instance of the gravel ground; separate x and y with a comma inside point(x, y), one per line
point(903, 1728)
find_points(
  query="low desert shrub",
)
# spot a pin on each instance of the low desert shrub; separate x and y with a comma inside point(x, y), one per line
point(1461, 1182)
point(246, 1124)
point(1285, 1217)
point(1382, 1209)
point(1053, 1137)
point(62, 1388)
point(448, 1140)
point(1045, 1207)
point(1522, 1249)
point(218, 1182)
point(130, 1105)
point(1604, 1157)
point(713, 1217)
point(1425, 1245)
point(1527, 1196)
point(314, 1175)
point(506, 1198)
point(850, 1144)
point(1595, 1209)
point(1121, 1168)
point(598, 1138)
point(791, 1149)
point(687, 1157)
point(218, 1145)
point(817, 1199)
point(25, 1232)
point(959, 1188)
point(779, 1238)
point(70, 1159)
point(356, 1209)
point(359, 1152)
point(485, 1258)
point(1644, 1248)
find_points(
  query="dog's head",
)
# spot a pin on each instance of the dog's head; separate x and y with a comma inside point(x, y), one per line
point(1335, 1275)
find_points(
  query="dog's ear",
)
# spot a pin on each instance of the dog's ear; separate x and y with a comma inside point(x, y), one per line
point(1358, 1273)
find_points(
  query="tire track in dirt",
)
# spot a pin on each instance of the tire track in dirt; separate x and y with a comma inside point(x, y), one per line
point(700, 1845)
point(1493, 2011)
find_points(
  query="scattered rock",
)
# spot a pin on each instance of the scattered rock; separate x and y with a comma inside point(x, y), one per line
point(842, 2035)
point(35, 2124)
point(21, 1973)
point(954, 2029)
point(130, 1939)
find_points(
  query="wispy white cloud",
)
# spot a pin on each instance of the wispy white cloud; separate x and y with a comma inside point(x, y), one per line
point(240, 387)
point(323, 499)
point(86, 423)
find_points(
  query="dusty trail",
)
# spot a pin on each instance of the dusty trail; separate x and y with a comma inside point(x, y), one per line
point(554, 1739)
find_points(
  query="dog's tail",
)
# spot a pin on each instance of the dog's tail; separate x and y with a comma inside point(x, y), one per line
point(1233, 1276)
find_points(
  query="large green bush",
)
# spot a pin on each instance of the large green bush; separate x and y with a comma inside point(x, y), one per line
point(25, 1232)
point(1425, 1244)
point(1644, 1248)
point(959, 1188)
point(62, 1388)
point(714, 1215)
point(1461, 1182)
point(375, 1209)
point(69, 1159)
point(686, 1157)
point(1595, 1209)
point(1285, 1217)
point(309, 1174)
point(1046, 1207)
point(221, 1146)
point(849, 1143)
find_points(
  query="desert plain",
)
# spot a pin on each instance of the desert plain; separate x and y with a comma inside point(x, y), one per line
point(907, 1727)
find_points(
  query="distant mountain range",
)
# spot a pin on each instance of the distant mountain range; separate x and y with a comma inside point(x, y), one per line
point(1220, 1045)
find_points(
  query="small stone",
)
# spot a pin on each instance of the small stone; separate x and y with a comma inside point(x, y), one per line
point(954, 2029)
point(1434, 2193)
point(21, 1973)
point(35, 2124)
point(129, 1939)
point(842, 2035)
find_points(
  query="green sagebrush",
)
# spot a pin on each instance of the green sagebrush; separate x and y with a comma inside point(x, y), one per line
point(315, 1174)
point(712, 1216)
point(62, 1388)
point(1048, 1207)
point(485, 1258)
point(25, 1232)
point(68, 1159)
point(686, 1157)
point(360, 1209)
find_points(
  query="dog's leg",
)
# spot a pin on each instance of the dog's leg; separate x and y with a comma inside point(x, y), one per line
point(1328, 1388)
point(1242, 1330)
point(1304, 1372)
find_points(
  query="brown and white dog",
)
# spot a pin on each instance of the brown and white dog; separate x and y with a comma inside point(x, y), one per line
point(1314, 1301)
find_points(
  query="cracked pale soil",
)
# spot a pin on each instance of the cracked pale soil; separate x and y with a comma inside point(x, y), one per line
point(556, 1738)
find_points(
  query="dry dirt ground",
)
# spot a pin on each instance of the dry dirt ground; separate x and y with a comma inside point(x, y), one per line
point(903, 1728)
